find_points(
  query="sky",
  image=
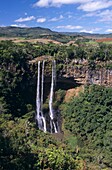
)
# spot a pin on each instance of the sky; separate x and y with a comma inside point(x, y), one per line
point(92, 16)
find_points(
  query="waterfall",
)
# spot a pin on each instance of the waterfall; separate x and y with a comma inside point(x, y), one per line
point(42, 87)
point(38, 116)
point(51, 111)
point(52, 124)
point(54, 71)
point(51, 93)
point(39, 100)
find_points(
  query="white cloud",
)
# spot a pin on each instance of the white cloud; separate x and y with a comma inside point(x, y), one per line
point(41, 20)
point(71, 27)
point(105, 15)
point(109, 30)
point(42, 3)
point(57, 3)
point(18, 25)
point(85, 5)
point(94, 30)
point(70, 16)
point(95, 5)
point(87, 31)
point(90, 14)
point(25, 19)
point(56, 18)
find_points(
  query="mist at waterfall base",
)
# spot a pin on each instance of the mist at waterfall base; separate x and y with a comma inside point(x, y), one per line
point(47, 121)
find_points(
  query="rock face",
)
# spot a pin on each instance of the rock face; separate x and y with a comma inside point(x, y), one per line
point(101, 77)
point(79, 70)
point(85, 74)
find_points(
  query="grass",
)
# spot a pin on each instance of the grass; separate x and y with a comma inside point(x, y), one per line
point(91, 43)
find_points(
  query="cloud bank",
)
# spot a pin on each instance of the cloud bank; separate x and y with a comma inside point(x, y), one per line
point(85, 5)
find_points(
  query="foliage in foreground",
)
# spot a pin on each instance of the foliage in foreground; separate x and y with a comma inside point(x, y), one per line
point(89, 117)
point(23, 147)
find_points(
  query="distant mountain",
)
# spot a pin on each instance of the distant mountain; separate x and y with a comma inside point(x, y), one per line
point(38, 32)
point(32, 32)
point(87, 34)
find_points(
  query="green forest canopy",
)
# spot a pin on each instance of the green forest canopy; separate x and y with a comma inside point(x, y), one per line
point(88, 118)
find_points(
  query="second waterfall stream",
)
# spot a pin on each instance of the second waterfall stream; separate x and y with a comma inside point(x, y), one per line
point(47, 122)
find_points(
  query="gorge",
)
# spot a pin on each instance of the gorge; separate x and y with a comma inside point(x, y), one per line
point(55, 106)
point(83, 75)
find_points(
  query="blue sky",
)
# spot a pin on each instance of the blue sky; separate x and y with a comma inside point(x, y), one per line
point(93, 16)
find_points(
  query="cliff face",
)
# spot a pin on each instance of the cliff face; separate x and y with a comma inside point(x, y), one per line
point(83, 73)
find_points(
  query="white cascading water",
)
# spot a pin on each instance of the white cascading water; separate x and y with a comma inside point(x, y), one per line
point(38, 116)
point(42, 124)
point(51, 94)
point(42, 87)
point(54, 70)
point(51, 112)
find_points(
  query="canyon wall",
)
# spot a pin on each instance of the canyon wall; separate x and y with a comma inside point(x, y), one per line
point(83, 73)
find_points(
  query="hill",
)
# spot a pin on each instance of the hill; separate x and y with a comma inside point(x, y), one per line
point(39, 32)
point(24, 32)
point(33, 33)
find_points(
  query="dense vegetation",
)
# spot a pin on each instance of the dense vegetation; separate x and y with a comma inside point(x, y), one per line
point(22, 145)
point(89, 117)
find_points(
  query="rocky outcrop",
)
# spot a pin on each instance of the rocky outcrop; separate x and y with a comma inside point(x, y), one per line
point(85, 74)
